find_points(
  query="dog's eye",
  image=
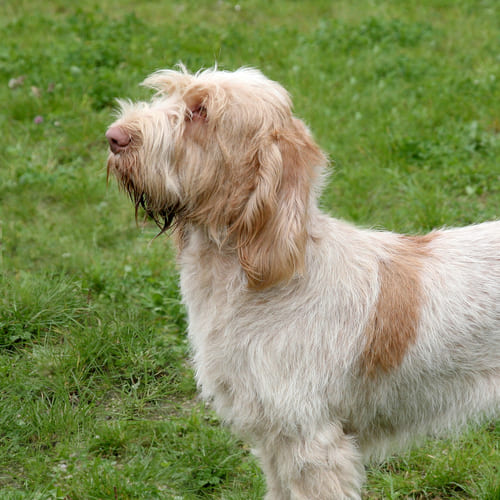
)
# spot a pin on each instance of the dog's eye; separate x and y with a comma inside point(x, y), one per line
point(199, 113)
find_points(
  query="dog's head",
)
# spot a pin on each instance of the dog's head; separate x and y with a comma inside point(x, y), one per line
point(222, 151)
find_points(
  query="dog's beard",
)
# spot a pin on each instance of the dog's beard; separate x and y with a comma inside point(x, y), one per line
point(163, 214)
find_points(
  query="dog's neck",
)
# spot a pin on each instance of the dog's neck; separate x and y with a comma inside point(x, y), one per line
point(189, 235)
point(200, 249)
point(209, 262)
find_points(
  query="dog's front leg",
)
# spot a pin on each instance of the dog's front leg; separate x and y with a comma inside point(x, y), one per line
point(325, 465)
point(277, 489)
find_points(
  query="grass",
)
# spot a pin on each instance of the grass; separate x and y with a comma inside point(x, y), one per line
point(97, 397)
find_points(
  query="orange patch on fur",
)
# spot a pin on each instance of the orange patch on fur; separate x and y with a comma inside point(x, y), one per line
point(394, 322)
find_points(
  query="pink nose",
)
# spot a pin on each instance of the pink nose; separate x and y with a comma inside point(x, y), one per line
point(118, 139)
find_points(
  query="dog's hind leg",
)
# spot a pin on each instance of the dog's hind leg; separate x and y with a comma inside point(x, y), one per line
point(324, 466)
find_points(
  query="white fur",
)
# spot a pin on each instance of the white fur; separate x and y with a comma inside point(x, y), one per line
point(285, 363)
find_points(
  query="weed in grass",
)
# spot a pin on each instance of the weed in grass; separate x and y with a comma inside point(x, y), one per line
point(39, 306)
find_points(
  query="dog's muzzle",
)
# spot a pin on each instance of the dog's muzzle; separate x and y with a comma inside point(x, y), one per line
point(118, 139)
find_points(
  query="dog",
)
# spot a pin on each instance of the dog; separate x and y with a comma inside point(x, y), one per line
point(321, 343)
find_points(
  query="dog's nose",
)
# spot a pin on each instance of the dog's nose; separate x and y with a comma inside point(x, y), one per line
point(118, 139)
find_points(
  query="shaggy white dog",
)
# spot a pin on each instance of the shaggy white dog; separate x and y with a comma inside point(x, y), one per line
point(320, 342)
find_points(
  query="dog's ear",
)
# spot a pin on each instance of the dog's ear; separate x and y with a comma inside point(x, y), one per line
point(272, 230)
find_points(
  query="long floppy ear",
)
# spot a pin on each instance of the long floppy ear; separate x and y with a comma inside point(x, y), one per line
point(272, 232)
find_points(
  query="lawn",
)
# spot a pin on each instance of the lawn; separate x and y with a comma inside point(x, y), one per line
point(97, 398)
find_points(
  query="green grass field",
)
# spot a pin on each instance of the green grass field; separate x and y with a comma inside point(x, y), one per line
point(97, 399)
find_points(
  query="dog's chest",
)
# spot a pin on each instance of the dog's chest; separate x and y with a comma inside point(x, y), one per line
point(210, 290)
